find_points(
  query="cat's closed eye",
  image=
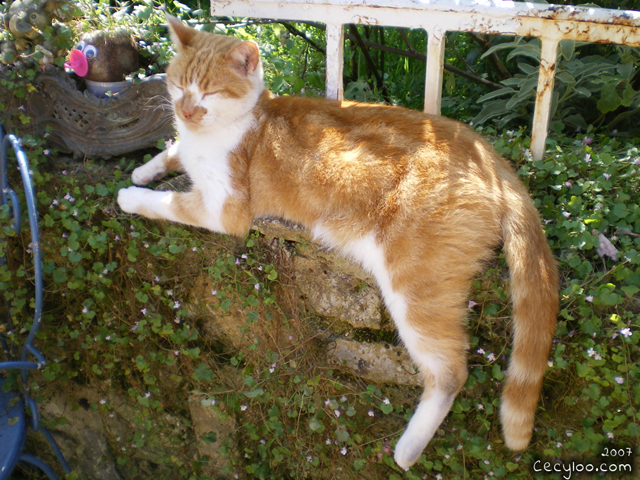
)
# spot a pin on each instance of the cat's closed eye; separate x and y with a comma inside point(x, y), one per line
point(213, 92)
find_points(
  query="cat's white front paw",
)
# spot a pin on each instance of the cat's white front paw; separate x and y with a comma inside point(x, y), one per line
point(131, 199)
point(146, 173)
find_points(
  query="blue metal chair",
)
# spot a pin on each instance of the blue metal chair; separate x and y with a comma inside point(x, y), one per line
point(17, 409)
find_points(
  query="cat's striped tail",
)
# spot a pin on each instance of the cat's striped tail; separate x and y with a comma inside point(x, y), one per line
point(534, 295)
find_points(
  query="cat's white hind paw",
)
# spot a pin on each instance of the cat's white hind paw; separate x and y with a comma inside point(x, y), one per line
point(422, 426)
point(408, 451)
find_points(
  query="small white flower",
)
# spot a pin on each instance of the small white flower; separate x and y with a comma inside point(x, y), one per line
point(85, 310)
point(626, 332)
point(591, 352)
point(480, 406)
point(108, 337)
point(606, 176)
point(481, 351)
point(237, 261)
point(471, 304)
point(147, 395)
point(337, 412)
point(587, 158)
point(486, 462)
point(272, 368)
point(214, 292)
point(491, 357)
point(589, 298)
point(565, 214)
point(102, 401)
point(559, 444)
point(194, 249)
point(244, 256)
point(386, 401)
point(550, 363)
point(488, 447)
point(597, 357)
point(328, 441)
point(309, 458)
point(176, 305)
point(619, 380)
point(143, 311)
point(257, 286)
point(569, 433)
point(343, 450)
point(176, 320)
point(343, 399)
point(170, 293)
point(371, 413)
point(54, 203)
point(243, 408)
point(610, 435)
point(117, 238)
point(176, 353)
point(327, 401)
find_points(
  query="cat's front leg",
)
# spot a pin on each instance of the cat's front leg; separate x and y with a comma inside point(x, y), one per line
point(187, 207)
point(156, 168)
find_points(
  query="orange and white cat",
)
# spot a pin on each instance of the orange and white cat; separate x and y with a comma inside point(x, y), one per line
point(419, 201)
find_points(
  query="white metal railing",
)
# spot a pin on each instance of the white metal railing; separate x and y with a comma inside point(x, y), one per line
point(550, 23)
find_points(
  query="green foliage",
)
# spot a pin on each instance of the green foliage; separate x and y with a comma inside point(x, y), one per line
point(589, 89)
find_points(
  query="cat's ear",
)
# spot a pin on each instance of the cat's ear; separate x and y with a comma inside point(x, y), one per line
point(245, 58)
point(181, 35)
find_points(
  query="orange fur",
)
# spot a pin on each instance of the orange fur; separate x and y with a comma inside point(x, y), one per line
point(426, 191)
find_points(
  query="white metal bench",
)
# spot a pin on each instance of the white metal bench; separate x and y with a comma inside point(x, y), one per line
point(550, 23)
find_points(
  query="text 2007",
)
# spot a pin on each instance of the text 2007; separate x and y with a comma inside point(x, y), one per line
point(616, 452)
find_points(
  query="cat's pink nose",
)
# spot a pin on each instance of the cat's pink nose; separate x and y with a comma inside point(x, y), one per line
point(187, 114)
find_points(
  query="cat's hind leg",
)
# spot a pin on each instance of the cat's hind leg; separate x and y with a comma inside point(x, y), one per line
point(435, 338)
point(156, 168)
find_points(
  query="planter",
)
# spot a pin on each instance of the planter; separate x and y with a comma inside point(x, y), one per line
point(84, 124)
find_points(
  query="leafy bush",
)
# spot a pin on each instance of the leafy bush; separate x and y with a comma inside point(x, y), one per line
point(589, 90)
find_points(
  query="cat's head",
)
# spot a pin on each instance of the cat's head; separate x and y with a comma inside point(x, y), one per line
point(213, 79)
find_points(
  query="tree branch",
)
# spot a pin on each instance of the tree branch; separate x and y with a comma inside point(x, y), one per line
point(361, 43)
point(298, 33)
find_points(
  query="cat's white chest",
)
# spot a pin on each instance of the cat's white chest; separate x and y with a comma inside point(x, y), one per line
point(205, 158)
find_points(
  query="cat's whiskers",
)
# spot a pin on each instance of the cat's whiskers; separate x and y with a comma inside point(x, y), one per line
point(159, 102)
